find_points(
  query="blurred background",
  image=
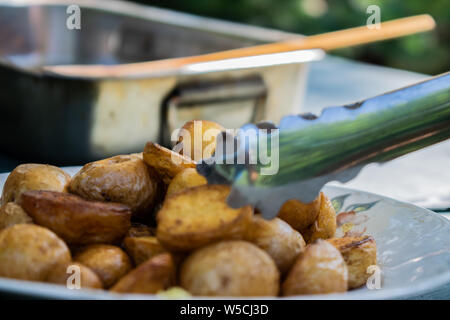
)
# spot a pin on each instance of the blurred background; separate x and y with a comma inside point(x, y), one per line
point(425, 53)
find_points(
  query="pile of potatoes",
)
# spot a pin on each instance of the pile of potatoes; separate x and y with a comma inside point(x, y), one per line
point(148, 222)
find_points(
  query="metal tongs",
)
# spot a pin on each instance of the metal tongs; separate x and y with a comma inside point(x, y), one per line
point(312, 151)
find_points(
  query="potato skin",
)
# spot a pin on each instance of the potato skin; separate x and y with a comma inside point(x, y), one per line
point(29, 252)
point(156, 274)
point(278, 239)
point(319, 269)
point(205, 132)
point(185, 179)
point(300, 216)
point(32, 176)
point(11, 214)
point(230, 268)
point(199, 216)
point(124, 179)
point(139, 230)
point(325, 225)
point(88, 278)
point(76, 220)
point(142, 248)
point(110, 263)
point(166, 162)
point(359, 253)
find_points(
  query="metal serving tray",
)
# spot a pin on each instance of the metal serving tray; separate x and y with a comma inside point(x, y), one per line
point(46, 116)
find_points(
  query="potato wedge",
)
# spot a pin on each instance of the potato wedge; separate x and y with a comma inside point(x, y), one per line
point(359, 253)
point(199, 216)
point(300, 216)
point(230, 268)
point(278, 239)
point(30, 252)
point(197, 139)
point(142, 248)
point(325, 225)
point(110, 263)
point(32, 176)
point(166, 162)
point(65, 275)
point(76, 220)
point(319, 269)
point(11, 214)
point(185, 179)
point(156, 274)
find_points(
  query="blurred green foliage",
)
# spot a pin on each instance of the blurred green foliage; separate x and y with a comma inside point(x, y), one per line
point(426, 53)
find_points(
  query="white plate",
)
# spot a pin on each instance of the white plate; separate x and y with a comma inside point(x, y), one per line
point(413, 250)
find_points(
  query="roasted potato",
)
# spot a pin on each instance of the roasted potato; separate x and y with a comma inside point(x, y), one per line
point(230, 268)
point(11, 214)
point(197, 139)
point(139, 230)
point(62, 274)
point(359, 253)
point(188, 178)
point(32, 176)
point(300, 216)
point(124, 179)
point(110, 263)
point(278, 239)
point(199, 216)
point(76, 220)
point(166, 162)
point(142, 248)
point(325, 225)
point(30, 252)
point(156, 274)
point(319, 269)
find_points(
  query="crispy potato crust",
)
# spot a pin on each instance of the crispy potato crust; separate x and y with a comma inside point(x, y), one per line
point(230, 268)
point(63, 274)
point(166, 162)
point(300, 216)
point(278, 239)
point(142, 248)
point(32, 176)
point(319, 269)
point(359, 253)
point(76, 220)
point(124, 179)
point(156, 274)
point(325, 225)
point(29, 252)
point(11, 214)
point(185, 179)
point(110, 263)
point(199, 216)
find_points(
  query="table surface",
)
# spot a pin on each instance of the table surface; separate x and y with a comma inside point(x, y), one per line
point(420, 177)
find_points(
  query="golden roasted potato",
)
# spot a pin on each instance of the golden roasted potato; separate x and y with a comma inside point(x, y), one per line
point(278, 239)
point(359, 253)
point(197, 139)
point(110, 263)
point(30, 252)
point(166, 162)
point(76, 220)
point(156, 274)
point(319, 269)
point(11, 214)
point(61, 274)
point(142, 248)
point(188, 178)
point(199, 216)
point(32, 176)
point(325, 225)
point(139, 230)
point(230, 268)
point(300, 216)
point(124, 179)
